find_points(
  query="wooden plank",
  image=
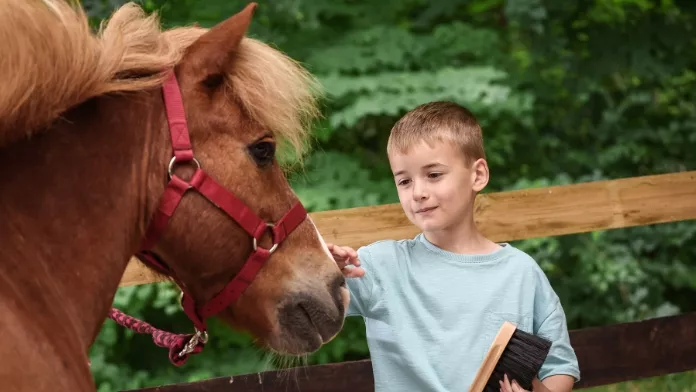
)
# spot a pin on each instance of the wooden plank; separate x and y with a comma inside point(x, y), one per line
point(520, 214)
point(631, 351)
point(354, 376)
point(607, 355)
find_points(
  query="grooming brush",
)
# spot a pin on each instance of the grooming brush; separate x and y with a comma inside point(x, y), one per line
point(514, 352)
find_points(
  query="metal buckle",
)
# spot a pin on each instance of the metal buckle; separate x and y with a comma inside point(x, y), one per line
point(199, 336)
point(254, 244)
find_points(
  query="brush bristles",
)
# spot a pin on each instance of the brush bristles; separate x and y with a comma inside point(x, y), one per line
point(521, 361)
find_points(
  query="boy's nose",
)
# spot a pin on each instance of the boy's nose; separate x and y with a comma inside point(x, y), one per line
point(419, 192)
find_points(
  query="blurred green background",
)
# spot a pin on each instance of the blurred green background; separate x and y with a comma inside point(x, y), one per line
point(567, 91)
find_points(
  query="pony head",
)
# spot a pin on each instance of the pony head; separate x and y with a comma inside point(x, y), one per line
point(242, 101)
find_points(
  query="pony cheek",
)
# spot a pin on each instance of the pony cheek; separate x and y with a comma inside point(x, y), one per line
point(253, 313)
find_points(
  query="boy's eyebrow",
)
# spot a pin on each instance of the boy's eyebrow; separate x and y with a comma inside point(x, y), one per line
point(432, 165)
point(428, 166)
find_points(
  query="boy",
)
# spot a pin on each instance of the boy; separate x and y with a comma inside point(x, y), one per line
point(433, 304)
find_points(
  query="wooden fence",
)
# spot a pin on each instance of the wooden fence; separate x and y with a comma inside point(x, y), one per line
point(607, 354)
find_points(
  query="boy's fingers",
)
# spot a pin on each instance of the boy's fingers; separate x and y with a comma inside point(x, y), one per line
point(357, 274)
point(353, 272)
point(343, 255)
point(339, 251)
point(350, 259)
point(517, 388)
point(342, 262)
point(505, 384)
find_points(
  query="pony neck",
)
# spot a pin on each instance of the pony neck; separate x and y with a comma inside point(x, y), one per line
point(74, 206)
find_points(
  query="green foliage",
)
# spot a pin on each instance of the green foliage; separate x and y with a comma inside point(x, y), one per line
point(392, 93)
point(567, 92)
point(328, 184)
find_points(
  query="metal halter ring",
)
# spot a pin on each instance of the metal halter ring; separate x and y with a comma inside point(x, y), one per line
point(275, 244)
point(196, 164)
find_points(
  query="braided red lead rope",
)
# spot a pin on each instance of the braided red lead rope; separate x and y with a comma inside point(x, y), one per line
point(180, 346)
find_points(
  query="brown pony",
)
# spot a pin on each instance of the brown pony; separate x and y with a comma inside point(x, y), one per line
point(85, 146)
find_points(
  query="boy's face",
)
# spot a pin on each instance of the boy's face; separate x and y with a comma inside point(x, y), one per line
point(435, 185)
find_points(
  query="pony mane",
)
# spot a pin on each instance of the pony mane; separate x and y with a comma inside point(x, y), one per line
point(52, 61)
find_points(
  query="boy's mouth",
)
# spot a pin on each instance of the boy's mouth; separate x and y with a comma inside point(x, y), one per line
point(425, 209)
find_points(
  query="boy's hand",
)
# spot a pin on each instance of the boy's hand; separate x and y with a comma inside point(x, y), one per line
point(347, 260)
point(512, 386)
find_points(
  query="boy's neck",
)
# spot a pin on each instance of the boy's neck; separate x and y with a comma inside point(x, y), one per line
point(462, 239)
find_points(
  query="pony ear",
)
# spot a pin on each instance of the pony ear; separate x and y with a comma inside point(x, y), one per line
point(212, 52)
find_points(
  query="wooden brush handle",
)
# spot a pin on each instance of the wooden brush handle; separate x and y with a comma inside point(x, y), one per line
point(490, 361)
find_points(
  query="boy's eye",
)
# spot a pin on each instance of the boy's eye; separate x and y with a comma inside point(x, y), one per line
point(434, 175)
point(403, 182)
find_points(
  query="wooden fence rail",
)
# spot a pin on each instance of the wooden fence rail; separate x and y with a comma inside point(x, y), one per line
point(607, 354)
point(515, 215)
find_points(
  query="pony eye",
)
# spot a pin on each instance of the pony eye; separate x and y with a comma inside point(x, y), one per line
point(213, 81)
point(262, 152)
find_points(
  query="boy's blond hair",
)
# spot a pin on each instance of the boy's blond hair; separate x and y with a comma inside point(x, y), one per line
point(438, 121)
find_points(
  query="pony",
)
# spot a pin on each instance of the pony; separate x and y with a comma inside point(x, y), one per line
point(131, 139)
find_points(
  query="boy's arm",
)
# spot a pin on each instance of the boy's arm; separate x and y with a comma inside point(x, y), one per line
point(560, 370)
point(556, 383)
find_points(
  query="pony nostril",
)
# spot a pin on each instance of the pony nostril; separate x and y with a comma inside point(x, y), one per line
point(337, 283)
point(307, 317)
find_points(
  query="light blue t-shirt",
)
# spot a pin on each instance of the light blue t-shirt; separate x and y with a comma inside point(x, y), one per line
point(431, 315)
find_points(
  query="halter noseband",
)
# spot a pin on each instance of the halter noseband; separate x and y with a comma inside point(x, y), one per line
point(182, 345)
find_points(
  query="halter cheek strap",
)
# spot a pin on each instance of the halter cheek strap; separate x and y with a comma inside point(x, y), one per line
point(182, 345)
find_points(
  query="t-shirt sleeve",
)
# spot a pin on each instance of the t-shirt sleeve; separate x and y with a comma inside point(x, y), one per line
point(550, 323)
point(361, 288)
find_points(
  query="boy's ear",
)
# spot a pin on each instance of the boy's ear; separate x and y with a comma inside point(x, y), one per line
point(479, 175)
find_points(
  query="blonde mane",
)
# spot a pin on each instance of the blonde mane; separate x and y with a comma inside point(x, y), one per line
point(51, 61)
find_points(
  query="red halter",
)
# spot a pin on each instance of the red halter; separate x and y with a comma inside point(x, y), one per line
point(182, 345)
